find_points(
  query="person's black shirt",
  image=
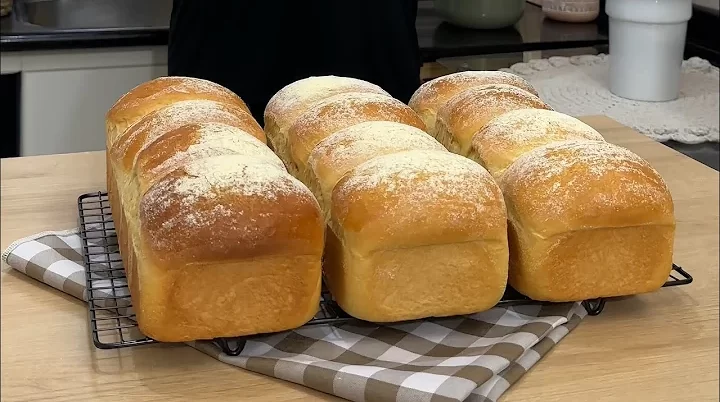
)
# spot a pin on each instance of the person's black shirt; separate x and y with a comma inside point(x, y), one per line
point(255, 47)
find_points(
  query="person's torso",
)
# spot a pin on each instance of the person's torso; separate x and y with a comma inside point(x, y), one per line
point(255, 47)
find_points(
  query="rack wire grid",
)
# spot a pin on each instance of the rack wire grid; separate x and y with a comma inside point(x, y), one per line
point(112, 321)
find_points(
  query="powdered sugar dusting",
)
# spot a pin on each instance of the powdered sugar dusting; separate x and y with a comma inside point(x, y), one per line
point(433, 94)
point(186, 85)
point(558, 173)
point(173, 117)
point(481, 100)
point(470, 110)
point(341, 111)
point(294, 98)
point(428, 178)
point(215, 177)
point(518, 126)
point(235, 173)
point(217, 139)
point(514, 133)
point(349, 106)
point(369, 138)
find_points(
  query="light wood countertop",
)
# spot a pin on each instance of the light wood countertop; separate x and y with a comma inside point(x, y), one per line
point(656, 347)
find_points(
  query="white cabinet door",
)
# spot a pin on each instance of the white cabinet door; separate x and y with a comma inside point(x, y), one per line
point(63, 110)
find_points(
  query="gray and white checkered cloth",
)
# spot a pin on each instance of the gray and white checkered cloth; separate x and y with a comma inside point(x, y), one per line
point(466, 358)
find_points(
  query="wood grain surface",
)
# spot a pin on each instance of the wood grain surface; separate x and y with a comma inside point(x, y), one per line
point(656, 347)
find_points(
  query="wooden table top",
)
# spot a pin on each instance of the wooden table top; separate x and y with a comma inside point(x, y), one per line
point(656, 347)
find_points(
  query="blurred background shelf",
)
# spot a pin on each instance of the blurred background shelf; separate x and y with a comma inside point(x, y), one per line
point(60, 57)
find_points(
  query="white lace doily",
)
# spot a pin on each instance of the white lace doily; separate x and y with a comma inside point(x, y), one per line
point(578, 86)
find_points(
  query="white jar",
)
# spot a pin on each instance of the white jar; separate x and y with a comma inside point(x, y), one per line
point(647, 42)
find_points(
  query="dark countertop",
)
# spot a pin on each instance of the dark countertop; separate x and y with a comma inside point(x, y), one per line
point(111, 23)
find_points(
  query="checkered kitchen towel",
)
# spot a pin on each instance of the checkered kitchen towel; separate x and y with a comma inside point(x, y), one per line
point(468, 358)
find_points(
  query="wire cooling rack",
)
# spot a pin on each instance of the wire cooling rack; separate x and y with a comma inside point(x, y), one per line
point(112, 321)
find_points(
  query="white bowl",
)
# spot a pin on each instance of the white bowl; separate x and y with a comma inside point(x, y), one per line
point(481, 14)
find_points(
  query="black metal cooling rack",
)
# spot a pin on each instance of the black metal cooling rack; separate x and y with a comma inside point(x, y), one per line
point(112, 322)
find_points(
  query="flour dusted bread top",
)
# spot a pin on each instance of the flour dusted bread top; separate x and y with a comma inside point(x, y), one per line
point(433, 94)
point(295, 98)
point(160, 92)
point(341, 111)
point(230, 207)
point(578, 185)
point(136, 138)
point(468, 111)
point(514, 133)
point(337, 154)
point(416, 198)
point(197, 141)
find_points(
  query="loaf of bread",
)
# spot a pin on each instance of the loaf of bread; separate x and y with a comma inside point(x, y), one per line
point(295, 98)
point(467, 112)
point(432, 95)
point(335, 113)
point(217, 238)
point(508, 136)
point(415, 231)
point(345, 149)
point(587, 219)
point(417, 234)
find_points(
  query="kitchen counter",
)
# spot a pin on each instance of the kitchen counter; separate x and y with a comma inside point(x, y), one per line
point(661, 346)
point(112, 23)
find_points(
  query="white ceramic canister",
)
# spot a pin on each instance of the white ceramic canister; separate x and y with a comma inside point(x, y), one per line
point(647, 42)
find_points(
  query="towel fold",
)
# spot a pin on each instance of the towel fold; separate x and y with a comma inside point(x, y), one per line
point(472, 358)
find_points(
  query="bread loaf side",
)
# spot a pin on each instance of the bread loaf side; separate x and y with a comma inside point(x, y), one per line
point(418, 233)
point(217, 239)
point(584, 216)
point(415, 231)
point(228, 246)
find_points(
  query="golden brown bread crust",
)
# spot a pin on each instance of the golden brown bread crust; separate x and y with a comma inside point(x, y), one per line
point(342, 151)
point(295, 98)
point(136, 138)
point(213, 239)
point(583, 217)
point(467, 112)
point(506, 137)
point(241, 298)
point(229, 246)
point(342, 111)
point(160, 92)
point(264, 211)
point(431, 96)
point(383, 202)
point(396, 259)
point(153, 95)
point(196, 141)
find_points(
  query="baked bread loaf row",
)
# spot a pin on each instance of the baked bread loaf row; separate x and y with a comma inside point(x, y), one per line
point(217, 238)
point(415, 231)
point(582, 213)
